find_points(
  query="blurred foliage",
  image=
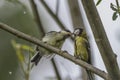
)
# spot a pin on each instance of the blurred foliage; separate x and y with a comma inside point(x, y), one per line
point(24, 60)
point(19, 17)
point(114, 7)
point(116, 10)
point(17, 2)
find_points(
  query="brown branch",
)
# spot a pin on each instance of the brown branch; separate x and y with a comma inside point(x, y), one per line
point(75, 14)
point(101, 39)
point(57, 51)
point(78, 22)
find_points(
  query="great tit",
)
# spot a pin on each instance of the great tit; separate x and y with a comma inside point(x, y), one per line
point(82, 48)
point(53, 38)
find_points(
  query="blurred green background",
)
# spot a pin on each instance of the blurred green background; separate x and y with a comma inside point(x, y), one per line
point(18, 16)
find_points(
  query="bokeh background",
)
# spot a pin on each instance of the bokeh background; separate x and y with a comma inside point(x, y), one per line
point(18, 14)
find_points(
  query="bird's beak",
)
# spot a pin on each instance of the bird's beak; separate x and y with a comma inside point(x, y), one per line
point(70, 34)
point(73, 35)
point(67, 33)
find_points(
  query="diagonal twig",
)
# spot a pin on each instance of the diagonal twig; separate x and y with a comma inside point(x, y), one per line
point(56, 19)
point(36, 16)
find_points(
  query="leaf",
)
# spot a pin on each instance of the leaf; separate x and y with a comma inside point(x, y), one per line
point(98, 2)
point(20, 55)
point(27, 48)
point(113, 7)
point(17, 48)
point(114, 17)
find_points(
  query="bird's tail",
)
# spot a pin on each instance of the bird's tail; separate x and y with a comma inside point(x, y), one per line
point(36, 58)
point(90, 75)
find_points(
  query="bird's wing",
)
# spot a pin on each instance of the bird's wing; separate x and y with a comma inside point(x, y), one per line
point(75, 48)
point(87, 44)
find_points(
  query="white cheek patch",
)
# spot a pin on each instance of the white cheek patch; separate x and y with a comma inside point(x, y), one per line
point(77, 31)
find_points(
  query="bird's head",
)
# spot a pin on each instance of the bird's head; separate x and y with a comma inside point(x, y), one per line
point(78, 31)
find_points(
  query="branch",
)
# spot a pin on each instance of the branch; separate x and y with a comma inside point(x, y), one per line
point(101, 39)
point(42, 32)
point(56, 19)
point(36, 16)
point(76, 15)
point(78, 22)
point(57, 51)
point(56, 69)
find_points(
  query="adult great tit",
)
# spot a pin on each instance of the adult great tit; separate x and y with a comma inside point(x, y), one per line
point(82, 48)
point(53, 38)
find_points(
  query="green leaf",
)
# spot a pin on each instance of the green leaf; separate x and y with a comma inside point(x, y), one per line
point(27, 48)
point(19, 53)
point(114, 17)
point(113, 7)
point(15, 45)
point(98, 2)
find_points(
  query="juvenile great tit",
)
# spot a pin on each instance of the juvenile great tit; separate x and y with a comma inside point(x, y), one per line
point(82, 48)
point(53, 38)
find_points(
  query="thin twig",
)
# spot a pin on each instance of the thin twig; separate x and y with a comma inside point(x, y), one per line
point(56, 69)
point(28, 67)
point(56, 19)
point(55, 50)
point(36, 16)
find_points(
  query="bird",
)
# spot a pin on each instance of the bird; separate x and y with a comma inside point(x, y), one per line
point(52, 38)
point(82, 48)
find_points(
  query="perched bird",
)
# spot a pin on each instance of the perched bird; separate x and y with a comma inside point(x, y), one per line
point(53, 38)
point(82, 48)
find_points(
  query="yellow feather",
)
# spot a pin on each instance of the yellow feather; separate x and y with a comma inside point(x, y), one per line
point(81, 48)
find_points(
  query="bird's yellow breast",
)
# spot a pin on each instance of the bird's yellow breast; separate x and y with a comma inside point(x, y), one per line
point(81, 48)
